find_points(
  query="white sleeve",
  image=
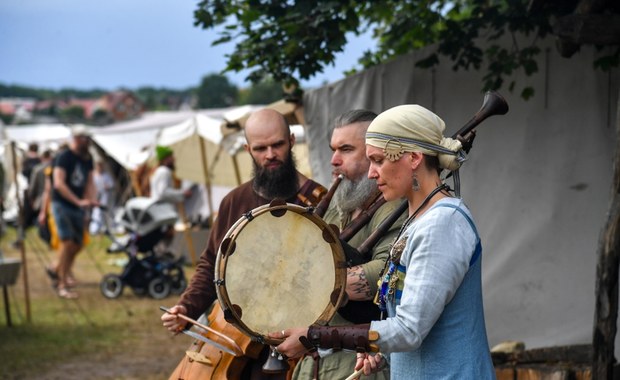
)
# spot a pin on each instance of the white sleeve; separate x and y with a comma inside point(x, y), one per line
point(437, 258)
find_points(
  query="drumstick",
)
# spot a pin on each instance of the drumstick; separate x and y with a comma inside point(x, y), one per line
point(359, 372)
point(207, 328)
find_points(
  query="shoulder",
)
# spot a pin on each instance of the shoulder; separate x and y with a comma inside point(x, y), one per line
point(451, 208)
point(162, 171)
point(313, 190)
point(447, 219)
point(239, 192)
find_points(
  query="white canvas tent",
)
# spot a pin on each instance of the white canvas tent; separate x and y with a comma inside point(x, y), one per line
point(46, 135)
point(203, 155)
point(537, 180)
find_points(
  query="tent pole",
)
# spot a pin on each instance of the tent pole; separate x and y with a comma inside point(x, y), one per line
point(134, 183)
point(205, 172)
point(236, 166)
point(20, 233)
point(187, 234)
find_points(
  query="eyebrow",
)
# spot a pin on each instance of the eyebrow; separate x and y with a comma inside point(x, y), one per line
point(342, 146)
point(261, 146)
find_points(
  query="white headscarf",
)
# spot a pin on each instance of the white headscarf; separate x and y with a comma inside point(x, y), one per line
point(413, 128)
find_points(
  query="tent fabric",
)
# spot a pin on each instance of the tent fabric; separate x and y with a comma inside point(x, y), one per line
point(537, 180)
point(200, 139)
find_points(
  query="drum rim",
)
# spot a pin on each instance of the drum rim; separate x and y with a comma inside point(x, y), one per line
point(231, 315)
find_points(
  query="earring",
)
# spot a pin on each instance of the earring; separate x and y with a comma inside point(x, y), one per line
point(415, 185)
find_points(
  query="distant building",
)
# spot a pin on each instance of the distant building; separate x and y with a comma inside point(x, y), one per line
point(109, 108)
point(17, 109)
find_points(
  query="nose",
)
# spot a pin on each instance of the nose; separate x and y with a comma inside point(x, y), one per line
point(336, 160)
point(372, 172)
point(271, 154)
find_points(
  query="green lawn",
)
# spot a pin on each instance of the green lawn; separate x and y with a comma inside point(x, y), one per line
point(92, 329)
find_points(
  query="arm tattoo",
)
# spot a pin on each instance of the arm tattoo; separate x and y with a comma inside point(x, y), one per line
point(357, 284)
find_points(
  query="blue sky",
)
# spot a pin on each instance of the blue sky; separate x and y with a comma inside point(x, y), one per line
point(107, 44)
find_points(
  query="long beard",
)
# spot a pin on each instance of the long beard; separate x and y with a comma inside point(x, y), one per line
point(352, 194)
point(276, 183)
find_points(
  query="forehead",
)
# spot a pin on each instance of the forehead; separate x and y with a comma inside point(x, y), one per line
point(266, 134)
point(374, 151)
point(350, 134)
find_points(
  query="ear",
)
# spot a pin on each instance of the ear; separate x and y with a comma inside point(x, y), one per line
point(246, 147)
point(415, 158)
point(292, 140)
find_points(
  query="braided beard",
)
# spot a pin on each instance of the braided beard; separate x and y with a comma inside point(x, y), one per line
point(352, 194)
point(276, 183)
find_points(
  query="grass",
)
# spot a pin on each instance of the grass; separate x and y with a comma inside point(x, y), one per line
point(91, 329)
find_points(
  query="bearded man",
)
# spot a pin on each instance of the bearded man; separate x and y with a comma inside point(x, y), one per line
point(270, 143)
point(355, 194)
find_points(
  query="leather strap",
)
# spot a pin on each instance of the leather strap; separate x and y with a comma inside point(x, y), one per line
point(353, 337)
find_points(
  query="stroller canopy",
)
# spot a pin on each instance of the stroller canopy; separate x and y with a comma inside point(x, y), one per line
point(143, 215)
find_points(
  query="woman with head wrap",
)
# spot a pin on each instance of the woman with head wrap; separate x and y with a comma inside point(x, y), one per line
point(431, 288)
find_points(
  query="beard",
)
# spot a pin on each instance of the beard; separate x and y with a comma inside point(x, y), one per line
point(170, 165)
point(352, 194)
point(280, 182)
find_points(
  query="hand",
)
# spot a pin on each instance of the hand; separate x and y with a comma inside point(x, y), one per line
point(172, 322)
point(291, 346)
point(371, 363)
point(41, 219)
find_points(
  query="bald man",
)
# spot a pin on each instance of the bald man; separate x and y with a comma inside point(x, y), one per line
point(270, 143)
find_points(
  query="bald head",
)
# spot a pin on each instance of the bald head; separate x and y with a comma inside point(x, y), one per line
point(266, 121)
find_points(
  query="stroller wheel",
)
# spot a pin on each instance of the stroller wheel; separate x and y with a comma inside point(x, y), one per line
point(159, 287)
point(111, 286)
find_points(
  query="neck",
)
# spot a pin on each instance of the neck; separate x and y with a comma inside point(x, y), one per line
point(418, 199)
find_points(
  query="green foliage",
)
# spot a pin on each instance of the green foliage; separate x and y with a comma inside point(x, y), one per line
point(265, 92)
point(291, 40)
point(73, 114)
point(161, 99)
point(282, 39)
point(216, 91)
point(6, 119)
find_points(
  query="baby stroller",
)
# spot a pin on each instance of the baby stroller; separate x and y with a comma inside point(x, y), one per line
point(151, 269)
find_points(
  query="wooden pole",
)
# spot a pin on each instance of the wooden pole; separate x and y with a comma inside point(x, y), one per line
point(20, 234)
point(606, 308)
point(187, 234)
point(236, 167)
point(205, 172)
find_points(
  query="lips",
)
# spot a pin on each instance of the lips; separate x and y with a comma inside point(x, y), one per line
point(273, 165)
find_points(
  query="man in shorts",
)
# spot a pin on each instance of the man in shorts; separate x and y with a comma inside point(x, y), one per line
point(73, 193)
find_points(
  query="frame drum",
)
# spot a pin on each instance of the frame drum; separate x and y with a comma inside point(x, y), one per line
point(279, 266)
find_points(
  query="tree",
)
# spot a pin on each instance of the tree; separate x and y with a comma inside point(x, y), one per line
point(292, 40)
point(264, 92)
point(73, 114)
point(216, 91)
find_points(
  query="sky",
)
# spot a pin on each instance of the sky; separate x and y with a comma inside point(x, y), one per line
point(87, 44)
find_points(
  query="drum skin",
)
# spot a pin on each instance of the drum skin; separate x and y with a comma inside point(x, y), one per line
point(279, 266)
